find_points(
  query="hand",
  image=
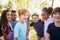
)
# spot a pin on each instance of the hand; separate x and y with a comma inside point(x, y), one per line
point(42, 38)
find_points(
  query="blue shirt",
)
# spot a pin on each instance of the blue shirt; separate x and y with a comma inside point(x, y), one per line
point(13, 23)
point(20, 31)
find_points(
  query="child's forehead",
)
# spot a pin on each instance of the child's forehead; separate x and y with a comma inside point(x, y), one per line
point(57, 12)
point(13, 13)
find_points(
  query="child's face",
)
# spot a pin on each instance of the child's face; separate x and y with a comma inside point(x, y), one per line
point(8, 16)
point(35, 19)
point(44, 15)
point(56, 16)
point(23, 18)
point(14, 16)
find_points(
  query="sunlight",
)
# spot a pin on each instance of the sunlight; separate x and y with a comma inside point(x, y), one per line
point(4, 2)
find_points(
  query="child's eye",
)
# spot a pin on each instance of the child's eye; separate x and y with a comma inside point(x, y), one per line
point(56, 13)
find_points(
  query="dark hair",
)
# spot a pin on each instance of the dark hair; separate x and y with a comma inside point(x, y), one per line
point(48, 10)
point(4, 23)
point(44, 8)
point(13, 11)
point(35, 15)
point(3, 16)
point(57, 9)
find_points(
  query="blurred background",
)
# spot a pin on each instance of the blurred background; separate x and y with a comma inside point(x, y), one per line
point(32, 5)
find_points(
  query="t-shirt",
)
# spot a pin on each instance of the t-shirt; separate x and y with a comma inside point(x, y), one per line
point(46, 23)
point(20, 31)
point(13, 23)
point(54, 32)
point(7, 29)
point(39, 28)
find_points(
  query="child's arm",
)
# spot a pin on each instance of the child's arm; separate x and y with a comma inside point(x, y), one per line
point(47, 37)
point(15, 39)
point(16, 33)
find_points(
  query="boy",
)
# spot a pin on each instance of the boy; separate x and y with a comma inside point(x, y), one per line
point(13, 18)
point(38, 25)
point(53, 32)
point(20, 28)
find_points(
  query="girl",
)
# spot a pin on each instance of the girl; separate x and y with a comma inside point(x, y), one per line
point(20, 29)
point(6, 26)
point(46, 12)
point(53, 32)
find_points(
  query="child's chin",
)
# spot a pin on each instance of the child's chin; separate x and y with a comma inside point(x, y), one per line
point(9, 20)
point(24, 20)
point(58, 20)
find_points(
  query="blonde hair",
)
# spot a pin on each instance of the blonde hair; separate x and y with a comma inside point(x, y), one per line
point(23, 12)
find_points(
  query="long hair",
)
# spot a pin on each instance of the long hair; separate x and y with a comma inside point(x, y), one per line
point(4, 22)
point(3, 17)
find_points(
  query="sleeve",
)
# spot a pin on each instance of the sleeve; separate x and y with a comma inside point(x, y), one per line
point(16, 31)
point(49, 29)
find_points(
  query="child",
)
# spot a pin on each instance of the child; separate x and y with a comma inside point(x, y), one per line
point(53, 32)
point(20, 29)
point(46, 12)
point(13, 18)
point(6, 26)
point(38, 25)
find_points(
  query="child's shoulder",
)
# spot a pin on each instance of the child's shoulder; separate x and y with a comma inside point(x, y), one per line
point(51, 24)
point(17, 24)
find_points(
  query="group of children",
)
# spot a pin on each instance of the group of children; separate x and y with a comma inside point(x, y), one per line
point(47, 28)
point(12, 29)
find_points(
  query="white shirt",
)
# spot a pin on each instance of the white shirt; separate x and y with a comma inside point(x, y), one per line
point(46, 23)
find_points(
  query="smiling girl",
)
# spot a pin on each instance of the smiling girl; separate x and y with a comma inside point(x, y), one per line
point(6, 26)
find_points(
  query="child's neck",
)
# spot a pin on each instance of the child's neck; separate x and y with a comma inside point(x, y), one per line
point(47, 18)
point(21, 21)
point(57, 24)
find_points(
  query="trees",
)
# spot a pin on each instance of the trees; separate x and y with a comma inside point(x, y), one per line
point(21, 3)
point(8, 5)
point(52, 3)
point(44, 4)
point(0, 7)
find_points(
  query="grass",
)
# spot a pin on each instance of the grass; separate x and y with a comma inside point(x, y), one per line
point(32, 34)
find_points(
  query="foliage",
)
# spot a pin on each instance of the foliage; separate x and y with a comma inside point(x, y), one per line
point(0, 7)
point(44, 4)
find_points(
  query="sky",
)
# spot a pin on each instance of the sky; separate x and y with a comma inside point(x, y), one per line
point(56, 3)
